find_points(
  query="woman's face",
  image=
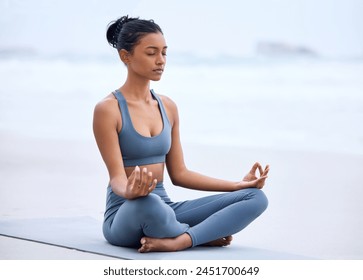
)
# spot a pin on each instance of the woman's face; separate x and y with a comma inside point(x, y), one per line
point(148, 57)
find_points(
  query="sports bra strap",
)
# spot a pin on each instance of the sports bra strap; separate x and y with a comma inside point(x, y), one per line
point(126, 118)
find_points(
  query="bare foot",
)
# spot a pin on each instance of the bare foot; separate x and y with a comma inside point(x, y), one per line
point(149, 244)
point(225, 241)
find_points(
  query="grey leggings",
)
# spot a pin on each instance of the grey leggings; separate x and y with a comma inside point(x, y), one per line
point(204, 219)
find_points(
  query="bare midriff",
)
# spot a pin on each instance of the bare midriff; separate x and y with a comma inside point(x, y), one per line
point(157, 170)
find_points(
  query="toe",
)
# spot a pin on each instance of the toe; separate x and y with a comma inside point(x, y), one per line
point(143, 247)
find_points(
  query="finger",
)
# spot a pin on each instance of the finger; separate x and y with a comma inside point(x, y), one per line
point(260, 170)
point(267, 168)
point(259, 181)
point(148, 182)
point(254, 168)
point(153, 185)
point(136, 176)
point(149, 178)
point(261, 184)
point(144, 178)
point(265, 172)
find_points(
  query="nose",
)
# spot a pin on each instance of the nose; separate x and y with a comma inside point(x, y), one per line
point(160, 59)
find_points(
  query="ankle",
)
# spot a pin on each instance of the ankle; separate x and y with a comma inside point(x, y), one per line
point(184, 241)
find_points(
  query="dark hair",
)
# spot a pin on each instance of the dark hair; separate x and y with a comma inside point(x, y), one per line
point(126, 32)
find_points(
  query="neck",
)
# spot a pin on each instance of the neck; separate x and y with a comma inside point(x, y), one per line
point(136, 90)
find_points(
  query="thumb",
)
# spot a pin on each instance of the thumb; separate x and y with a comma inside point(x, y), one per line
point(254, 168)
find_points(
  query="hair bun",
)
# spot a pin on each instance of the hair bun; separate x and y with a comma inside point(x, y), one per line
point(115, 28)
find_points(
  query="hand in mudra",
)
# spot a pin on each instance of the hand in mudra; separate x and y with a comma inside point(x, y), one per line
point(140, 183)
point(251, 180)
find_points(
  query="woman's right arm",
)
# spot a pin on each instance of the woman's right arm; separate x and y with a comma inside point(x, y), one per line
point(106, 124)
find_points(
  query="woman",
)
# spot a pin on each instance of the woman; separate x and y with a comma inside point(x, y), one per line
point(137, 132)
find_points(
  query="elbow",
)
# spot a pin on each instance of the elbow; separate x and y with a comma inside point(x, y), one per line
point(175, 181)
point(178, 179)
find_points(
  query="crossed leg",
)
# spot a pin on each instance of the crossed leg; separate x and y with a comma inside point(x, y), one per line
point(212, 220)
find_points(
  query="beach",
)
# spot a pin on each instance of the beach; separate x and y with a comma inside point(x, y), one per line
point(303, 124)
point(314, 200)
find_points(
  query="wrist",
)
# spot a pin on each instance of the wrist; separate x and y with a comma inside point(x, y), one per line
point(237, 186)
point(242, 185)
point(118, 186)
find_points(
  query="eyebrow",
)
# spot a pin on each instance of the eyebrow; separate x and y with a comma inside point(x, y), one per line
point(156, 48)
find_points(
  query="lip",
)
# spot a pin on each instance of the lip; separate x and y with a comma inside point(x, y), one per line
point(159, 70)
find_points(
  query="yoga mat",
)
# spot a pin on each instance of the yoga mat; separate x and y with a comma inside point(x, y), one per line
point(85, 234)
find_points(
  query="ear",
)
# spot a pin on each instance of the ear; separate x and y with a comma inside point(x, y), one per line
point(124, 55)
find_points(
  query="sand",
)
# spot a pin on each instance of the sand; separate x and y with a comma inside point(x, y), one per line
point(314, 198)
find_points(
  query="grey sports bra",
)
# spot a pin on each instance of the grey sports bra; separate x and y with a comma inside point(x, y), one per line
point(137, 149)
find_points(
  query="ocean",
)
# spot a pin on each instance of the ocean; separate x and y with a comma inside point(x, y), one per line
point(283, 103)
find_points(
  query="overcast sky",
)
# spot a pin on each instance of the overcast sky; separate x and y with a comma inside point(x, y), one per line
point(333, 28)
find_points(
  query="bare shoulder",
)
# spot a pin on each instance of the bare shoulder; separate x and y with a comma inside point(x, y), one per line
point(107, 113)
point(107, 105)
point(168, 102)
point(170, 107)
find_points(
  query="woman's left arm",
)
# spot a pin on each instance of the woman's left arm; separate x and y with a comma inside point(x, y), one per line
point(180, 175)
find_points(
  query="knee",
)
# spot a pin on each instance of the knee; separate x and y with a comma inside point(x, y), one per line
point(257, 198)
point(261, 200)
point(145, 203)
point(148, 206)
point(148, 200)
